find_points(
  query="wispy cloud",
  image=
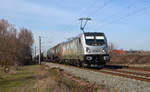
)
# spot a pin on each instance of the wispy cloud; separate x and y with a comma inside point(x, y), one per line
point(58, 18)
point(26, 9)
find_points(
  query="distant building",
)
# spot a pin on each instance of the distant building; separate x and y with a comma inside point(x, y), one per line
point(135, 52)
point(119, 52)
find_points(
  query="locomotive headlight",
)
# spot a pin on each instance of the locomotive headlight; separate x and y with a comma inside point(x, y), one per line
point(88, 50)
point(103, 50)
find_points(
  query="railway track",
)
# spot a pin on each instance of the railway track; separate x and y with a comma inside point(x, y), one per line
point(143, 69)
point(115, 78)
point(141, 74)
point(127, 72)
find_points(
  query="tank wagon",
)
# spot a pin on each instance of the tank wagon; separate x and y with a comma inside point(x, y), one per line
point(86, 49)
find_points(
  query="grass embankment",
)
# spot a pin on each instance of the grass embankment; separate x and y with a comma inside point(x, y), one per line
point(36, 78)
point(15, 81)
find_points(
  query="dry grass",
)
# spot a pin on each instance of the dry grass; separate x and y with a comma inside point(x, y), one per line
point(130, 59)
point(37, 78)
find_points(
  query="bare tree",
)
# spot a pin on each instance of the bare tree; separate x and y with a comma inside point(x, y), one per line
point(3, 41)
point(15, 47)
point(7, 34)
point(26, 39)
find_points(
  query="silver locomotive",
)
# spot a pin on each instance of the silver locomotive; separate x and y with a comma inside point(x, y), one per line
point(89, 48)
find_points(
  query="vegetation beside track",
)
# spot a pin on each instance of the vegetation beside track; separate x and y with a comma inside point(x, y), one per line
point(41, 78)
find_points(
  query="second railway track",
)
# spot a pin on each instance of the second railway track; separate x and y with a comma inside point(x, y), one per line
point(116, 79)
point(125, 72)
point(132, 73)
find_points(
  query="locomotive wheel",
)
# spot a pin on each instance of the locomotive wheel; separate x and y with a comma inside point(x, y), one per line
point(88, 65)
point(100, 66)
point(80, 64)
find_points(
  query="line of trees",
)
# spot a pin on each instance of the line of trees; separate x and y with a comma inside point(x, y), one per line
point(15, 47)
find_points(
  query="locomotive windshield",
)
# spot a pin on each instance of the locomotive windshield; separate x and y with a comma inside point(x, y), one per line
point(89, 40)
point(95, 39)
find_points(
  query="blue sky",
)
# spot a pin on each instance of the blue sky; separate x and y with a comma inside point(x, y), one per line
point(57, 20)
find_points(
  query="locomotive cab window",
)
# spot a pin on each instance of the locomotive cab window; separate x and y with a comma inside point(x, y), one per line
point(94, 39)
point(89, 40)
point(100, 40)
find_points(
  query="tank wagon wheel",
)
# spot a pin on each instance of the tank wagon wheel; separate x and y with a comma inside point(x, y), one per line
point(88, 65)
point(80, 64)
point(84, 65)
point(73, 62)
point(77, 64)
point(63, 61)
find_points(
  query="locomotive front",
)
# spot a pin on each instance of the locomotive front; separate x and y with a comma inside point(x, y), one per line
point(95, 48)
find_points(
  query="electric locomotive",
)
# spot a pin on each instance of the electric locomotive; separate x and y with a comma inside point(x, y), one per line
point(89, 48)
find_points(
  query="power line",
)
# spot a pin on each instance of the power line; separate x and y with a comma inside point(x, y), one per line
point(127, 15)
point(127, 7)
point(85, 9)
point(100, 8)
point(88, 8)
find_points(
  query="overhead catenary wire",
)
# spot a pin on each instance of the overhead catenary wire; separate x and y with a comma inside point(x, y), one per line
point(116, 14)
point(45, 43)
point(68, 27)
point(82, 12)
point(100, 8)
point(127, 15)
point(97, 10)
point(87, 8)
point(120, 18)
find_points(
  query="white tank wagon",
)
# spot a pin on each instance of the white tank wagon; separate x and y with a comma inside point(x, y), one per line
point(86, 49)
point(45, 55)
point(48, 55)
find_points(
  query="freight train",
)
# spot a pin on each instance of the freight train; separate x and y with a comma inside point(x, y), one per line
point(89, 48)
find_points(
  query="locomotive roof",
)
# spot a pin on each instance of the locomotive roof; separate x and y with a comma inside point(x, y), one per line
point(86, 33)
point(94, 33)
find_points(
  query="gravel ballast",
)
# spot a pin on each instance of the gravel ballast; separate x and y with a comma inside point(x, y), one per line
point(113, 83)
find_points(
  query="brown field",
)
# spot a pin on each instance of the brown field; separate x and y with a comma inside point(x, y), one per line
point(130, 59)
